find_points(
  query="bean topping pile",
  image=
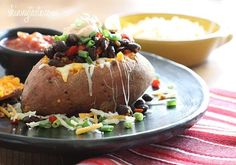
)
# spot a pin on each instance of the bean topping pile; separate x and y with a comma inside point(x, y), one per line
point(71, 48)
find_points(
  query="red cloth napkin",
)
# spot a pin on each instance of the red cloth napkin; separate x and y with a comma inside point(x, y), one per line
point(211, 141)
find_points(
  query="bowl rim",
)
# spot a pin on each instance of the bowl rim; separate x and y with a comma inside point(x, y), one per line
point(6, 32)
point(221, 32)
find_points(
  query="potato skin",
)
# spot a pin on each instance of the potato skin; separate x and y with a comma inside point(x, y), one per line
point(47, 93)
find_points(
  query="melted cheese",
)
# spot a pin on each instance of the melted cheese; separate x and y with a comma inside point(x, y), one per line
point(89, 72)
point(65, 70)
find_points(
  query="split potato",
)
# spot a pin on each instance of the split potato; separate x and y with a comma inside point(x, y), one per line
point(78, 87)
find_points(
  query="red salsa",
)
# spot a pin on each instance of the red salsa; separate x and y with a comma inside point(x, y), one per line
point(32, 43)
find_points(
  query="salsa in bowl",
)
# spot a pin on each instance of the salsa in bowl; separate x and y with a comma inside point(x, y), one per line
point(21, 48)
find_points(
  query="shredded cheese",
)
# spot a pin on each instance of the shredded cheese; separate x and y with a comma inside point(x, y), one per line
point(9, 84)
point(3, 110)
point(85, 115)
point(120, 56)
point(95, 119)
point(88, 129)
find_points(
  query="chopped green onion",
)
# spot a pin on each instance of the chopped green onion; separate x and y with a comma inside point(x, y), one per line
point(101, 118)
point(63, 123)
point(128, 124)
point(89, 60)
point(92, 34)
point(90, 43)
point(114, 37)
point(75, 119)
point(67, 120)
point(62, 37)
point(86, 123)
point(106, 33)
point(107, 128)
point(138, 116)
point(56, 123)
point(73, 122)
point(84, 39)
point(171, 103)
point(56, 38)
point(45, 123)
point(83, 53)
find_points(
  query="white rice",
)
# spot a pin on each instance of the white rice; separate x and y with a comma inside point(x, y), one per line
point(159, 28)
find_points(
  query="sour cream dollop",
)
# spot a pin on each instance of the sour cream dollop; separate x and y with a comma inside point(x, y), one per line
point(83, 26)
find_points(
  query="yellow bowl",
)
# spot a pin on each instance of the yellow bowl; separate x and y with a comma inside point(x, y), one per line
point(188, 52)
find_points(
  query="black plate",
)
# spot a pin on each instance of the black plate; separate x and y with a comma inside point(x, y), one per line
point(157, 126)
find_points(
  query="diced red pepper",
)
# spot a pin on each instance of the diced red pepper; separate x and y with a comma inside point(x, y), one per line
point(82, 47)
point(138, 110)
point(156, 84)
point(98, 51)
point(52, 118)
point(99, 35)
point(125, 36)
point(72, 51)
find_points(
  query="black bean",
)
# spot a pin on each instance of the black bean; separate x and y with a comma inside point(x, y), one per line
point(66, 60)
point(92, 53)
point(112, 43)
point(104, 44)
point(111, 52)
point(123, 110)
point(134, 47)
point(103, 54)
point(59, 46)
point(139, 103)
point(49, 52)
point(72, 40)
point(147, 97)
point(124, 42)
point(59, 54)
point(79, 59)
point(55, 62)
point(28, 119)
point(121, 49)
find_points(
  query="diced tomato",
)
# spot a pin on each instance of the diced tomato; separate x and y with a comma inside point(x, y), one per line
point(48, 39)
point(156, 84)
point(52, 118)
point(34, 42)
point(72, 50)
point(125, 36)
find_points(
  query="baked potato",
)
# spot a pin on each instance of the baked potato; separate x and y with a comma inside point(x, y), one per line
point(87, 67)
point(119, 82)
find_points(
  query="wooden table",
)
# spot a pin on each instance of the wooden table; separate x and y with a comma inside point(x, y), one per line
point(218, 71)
